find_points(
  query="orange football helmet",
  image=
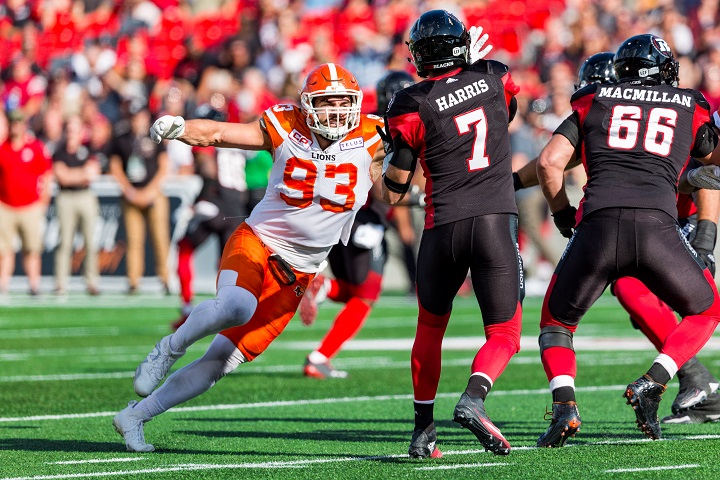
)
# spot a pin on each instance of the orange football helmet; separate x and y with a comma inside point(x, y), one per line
point(331, 80)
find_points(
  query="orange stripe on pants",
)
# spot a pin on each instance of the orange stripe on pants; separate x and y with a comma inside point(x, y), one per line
point(245, 254)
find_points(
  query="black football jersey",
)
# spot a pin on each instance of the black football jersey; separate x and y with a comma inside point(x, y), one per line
point(457, 125)
point(635, 142)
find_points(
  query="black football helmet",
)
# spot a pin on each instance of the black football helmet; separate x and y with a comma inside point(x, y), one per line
point(391, 83)
point(597, 68)
point(646, 59)
point(438, 41)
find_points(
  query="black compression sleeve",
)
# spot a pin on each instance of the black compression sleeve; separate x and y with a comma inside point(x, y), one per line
point(705, 141)
point(512, 109)
point(570, 129)
point(403, 157)
point(396, 187)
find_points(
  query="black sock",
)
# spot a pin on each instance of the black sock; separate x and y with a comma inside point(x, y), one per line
point(423, 415)
point(658, 374)
point(478, 386)
point(563, 394)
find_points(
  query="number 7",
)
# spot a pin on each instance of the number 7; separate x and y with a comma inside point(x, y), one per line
point(463, 122)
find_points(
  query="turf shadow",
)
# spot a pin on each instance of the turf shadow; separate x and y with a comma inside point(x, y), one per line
point(72, 446)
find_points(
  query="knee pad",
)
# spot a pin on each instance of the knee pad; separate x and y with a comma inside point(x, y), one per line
point(555, 336)
point(235, 306)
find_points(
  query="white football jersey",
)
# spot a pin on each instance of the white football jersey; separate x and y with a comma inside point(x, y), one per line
point(313, 194)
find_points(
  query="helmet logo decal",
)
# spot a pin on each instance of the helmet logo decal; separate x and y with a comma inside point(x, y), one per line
point(457, 51)
point(662, 46)
point(646, 72)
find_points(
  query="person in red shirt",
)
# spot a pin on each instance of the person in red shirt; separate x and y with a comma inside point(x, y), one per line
point(24, 197)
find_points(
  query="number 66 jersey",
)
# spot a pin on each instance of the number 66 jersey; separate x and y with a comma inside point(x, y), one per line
point(636, 140)
point(313, 194)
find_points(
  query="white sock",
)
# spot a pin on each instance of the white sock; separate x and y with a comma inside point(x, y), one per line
point(317, 357)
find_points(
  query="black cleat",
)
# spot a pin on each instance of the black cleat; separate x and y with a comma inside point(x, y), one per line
point(423, 443)
point(696, 385)
point(565, 423)
point(644, 394)
point(708, 411)
point(470, 413)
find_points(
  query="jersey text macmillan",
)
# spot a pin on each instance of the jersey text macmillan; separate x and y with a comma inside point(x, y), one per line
point(645, 95)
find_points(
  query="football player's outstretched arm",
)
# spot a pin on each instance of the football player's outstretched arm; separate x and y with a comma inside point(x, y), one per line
point(201, 132)
point(551, 165)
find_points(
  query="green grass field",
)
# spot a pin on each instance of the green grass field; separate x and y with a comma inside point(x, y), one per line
point(67, 369)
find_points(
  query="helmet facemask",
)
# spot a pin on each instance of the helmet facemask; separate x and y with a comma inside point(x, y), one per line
point(338, 121)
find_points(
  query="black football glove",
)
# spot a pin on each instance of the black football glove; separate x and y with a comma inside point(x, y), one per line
point(704, 243)
point(386, 137)
point(565, 220)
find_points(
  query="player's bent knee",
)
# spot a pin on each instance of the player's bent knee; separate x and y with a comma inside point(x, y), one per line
point(235, 305)
point(555, 336)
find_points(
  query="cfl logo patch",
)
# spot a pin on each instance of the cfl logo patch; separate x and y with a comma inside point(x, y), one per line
point(662, 46)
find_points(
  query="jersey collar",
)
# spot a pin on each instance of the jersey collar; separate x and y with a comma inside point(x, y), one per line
point(446, 75)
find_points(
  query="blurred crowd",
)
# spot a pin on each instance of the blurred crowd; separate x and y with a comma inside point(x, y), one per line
point(90, 66)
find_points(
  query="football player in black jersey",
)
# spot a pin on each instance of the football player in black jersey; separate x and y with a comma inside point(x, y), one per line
point(697, 400)
point(455, 123)
point(636, 137)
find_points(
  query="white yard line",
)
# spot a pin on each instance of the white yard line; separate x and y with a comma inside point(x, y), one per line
point(469, 465)
point(651, 469)
point(292, 403)
point(343, 363)
point(307, 462)
point(98, 460)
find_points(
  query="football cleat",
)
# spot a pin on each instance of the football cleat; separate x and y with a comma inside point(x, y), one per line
point(470, 413)
point(708, 411)
point(315, 294)
point(322, 370)
point(644, 394)
point(129, 423)
point(696, 385)
point(156, 365)
point(424, 443)
point(565, 423)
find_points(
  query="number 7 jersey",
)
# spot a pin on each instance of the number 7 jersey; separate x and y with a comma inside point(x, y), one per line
point(313, 194)
point(457, 125)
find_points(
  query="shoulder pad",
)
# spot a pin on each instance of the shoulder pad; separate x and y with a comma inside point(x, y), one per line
point(492, 67)
point(589, 89)
point(699, 99)
point(403, 103)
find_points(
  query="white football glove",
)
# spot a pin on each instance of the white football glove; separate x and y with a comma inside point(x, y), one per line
point(716, 118)
point(707, 176)
point(168, 127)
point(477, 52)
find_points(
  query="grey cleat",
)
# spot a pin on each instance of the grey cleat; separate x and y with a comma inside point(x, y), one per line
point(129, 423)
point(156, 365)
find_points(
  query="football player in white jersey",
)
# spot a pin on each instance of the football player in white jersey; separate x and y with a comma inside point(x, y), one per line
point(326, 156)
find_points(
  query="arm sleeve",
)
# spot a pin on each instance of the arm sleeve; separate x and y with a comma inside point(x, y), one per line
point(705, 141)
point(570, 129)
point(403, 157)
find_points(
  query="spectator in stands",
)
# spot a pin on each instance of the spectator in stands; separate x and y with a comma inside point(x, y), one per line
point(24, 197)
point(77, 205)
point(139, 165)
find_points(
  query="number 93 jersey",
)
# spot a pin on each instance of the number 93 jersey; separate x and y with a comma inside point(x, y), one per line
point(313, 194)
